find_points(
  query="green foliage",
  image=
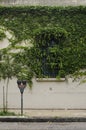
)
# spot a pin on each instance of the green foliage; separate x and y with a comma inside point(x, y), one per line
point(2, 35)
point(47, 45)
point(66, 25)
point(44, 36)
point(7, 113)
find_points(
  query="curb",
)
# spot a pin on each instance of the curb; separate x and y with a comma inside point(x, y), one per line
point(42, 119)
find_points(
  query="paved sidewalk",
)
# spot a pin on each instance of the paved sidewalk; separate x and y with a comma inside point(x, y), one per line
point(55, 113)
point(47, 116)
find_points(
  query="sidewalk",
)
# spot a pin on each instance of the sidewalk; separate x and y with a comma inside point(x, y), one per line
point(55, 113)
point(48, 116)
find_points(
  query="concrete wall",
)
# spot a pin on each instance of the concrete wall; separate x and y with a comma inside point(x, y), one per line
point(44, 2)
point(46, 95)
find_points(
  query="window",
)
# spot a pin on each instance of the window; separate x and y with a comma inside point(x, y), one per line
point(48, 61)
point(48, 43)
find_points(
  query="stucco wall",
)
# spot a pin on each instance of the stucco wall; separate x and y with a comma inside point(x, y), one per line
point(44, 2)
point(47, 95)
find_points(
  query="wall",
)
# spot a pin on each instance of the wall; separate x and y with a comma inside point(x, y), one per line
point(47, 95)
point(44, 2)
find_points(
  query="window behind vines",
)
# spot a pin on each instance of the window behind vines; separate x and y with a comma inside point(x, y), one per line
point(47, 44)
point(49, 63)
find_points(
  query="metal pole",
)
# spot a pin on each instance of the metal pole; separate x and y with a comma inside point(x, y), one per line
point(3, 99)
point(21, 104)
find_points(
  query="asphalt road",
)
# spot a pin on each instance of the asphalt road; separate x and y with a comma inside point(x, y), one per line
point(42, 126)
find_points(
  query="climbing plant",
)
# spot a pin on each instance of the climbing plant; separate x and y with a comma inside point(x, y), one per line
point(65, 26)
point(2, 35)
point(48, 46)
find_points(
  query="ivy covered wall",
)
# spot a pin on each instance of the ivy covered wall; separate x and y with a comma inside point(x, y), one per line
point(25, 22)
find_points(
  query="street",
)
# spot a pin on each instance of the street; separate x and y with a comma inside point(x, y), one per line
point(42, 126)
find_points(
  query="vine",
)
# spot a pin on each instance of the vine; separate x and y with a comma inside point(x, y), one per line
point(38, 26)
point(2, 35)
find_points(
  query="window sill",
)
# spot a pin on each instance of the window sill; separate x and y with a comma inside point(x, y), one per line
point(50, 80)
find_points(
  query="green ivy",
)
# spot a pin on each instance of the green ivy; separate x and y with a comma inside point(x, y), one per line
point(39, 24)
point(48, 43)
point(2, 35)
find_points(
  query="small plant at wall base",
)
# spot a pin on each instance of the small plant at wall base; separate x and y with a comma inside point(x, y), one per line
point(6, 73)
point(7, 113)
